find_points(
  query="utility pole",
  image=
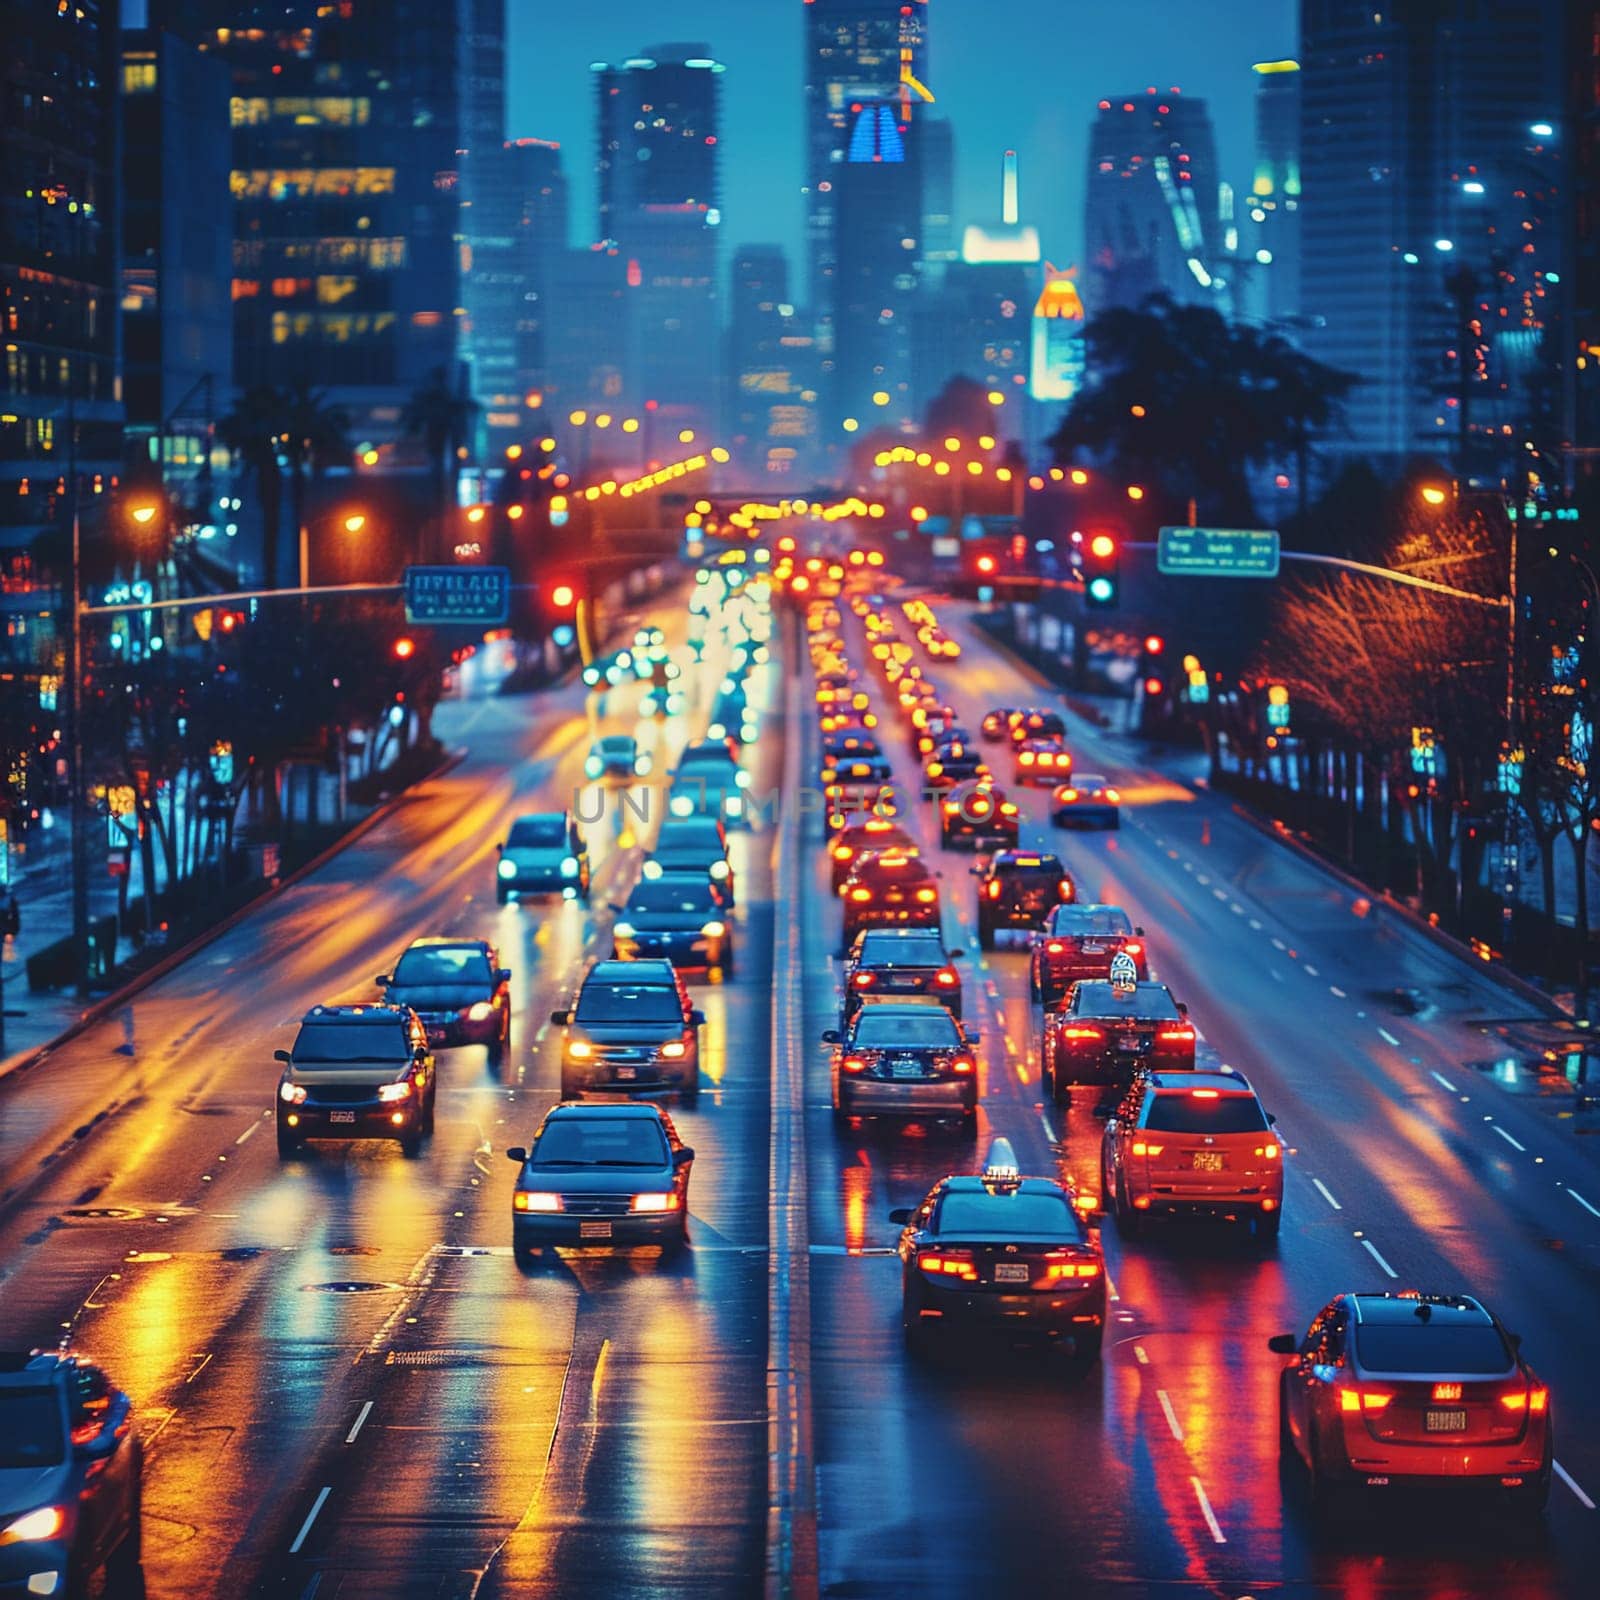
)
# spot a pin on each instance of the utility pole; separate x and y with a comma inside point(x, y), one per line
point(78, 843)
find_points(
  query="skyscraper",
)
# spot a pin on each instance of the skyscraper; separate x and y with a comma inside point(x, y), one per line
point(770, 422)
point(1429, 218)
point(856, 52)
point(658, 165)
point(1275, 191)
point(1151, 219)
point(937, 137)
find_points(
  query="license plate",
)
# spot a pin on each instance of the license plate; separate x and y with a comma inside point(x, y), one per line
point(1208, 1161)
point(1011, 1272)
point(905, 983)
point(1446, 1422)
point(341, 1116)
point(909, 1068)
point(1092, 947)
point(594, 1230)
point(627, 1072)
point(893, 899)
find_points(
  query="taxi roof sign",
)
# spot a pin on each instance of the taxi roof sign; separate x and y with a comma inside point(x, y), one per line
point(1124, 972)
point(1000, 1169)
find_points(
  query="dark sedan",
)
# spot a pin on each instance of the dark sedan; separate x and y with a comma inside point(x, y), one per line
point(904, 1058)
point(1103, 1033)
point(680, 916)
point(896, 963)
point(693, 844)
point(458, 988)
point(601, 1175)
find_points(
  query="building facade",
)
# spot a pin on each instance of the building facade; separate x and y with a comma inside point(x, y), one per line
point(1274, 199)
point(771, 412)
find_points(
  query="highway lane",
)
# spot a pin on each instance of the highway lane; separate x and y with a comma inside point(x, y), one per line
point(1161, 1468)
point(346, 1384)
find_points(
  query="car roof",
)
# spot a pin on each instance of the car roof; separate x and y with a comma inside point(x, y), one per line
point(645, 971)
point(443, 941)
point(371, 1011)
point(616, 738)
point(881, 935)
point(1449, 1310)
point(920, 1003)
point(541, 816)
point(611, 1110)
point(672, 876)
point(1108, 1002)
point(1229, 1082)
point(970, 1183)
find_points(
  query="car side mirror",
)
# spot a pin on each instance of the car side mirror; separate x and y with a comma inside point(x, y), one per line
point(614, 908)
point(502, 975)
point(830, 1036)
point(902, 1215)
point(697, 1018)
point(1272, 1121)
point(561, 1018)
point(955, 955)
point(683, 1155)
point(1283, 1344)
point(974, 1037)
point(383, 980)
point(1183, 1008)
point(1139, 931)
point(500, 849)
point(283, 1056)
point(518, 1154)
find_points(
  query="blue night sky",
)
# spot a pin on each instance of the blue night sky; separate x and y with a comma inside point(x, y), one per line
point(1023, 74)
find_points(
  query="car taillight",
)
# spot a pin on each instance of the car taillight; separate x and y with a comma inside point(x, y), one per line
point(864, 980)
point(1065, 888)
point(927, 896)
point(1270, 1153)
point(951, 808)
point(1536, 1400)
point(535, 1200)
point(948, 1267)
point(1008, 809)
point(1176, 1036)
point(1081, 1031)
point(1026, 758)
point(842, 852)
point(1363, 1399)
point(994, 888)
point(1142, 1148)
point(1441, 1391)
point(667, 1201)
point(860, 894)
point(1112, 796)
point(962, 1064)
point(1055, 947)
point(946, 978)
point(1066, 796)
point(1133, 948)
point(1056, 1271)
point(853, 1064)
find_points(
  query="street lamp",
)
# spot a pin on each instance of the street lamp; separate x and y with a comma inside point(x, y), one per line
point(1433, 495)
point(144, 514)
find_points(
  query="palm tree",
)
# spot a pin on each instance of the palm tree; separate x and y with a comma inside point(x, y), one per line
point(314, 435)
point(442, 417)
point(251, 431)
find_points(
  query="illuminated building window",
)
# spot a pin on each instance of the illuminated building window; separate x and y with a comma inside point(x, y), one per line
point(246, 288)
point(138, 77)
point(331, 290)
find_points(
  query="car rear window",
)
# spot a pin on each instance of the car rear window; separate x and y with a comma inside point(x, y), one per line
point(538, 832)
point(351, 1043)
point(443, 964)
point(601, 1141)
point(628, 1002)
point(1073, 924)
point(1181, 1112)
point(1008, 1216)
point(32, 1434)
point(888, 949)
point(1148, 1003)
point(924, 1028)
point(1043, 871)
point(1419, 1347)
point(654, 895)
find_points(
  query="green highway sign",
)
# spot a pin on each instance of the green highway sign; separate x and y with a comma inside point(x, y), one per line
point(458, 594)
point(1218, 552)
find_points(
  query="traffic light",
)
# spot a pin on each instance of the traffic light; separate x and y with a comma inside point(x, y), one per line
point(1101, 572)
point(404, 649)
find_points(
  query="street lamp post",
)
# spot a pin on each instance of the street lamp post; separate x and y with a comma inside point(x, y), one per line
point(76, 833)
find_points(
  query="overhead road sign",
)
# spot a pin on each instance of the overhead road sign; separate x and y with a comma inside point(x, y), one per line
point(458, 594)
point(1218, 552)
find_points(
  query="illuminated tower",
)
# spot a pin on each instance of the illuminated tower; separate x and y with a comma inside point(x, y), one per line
point(1275, 189)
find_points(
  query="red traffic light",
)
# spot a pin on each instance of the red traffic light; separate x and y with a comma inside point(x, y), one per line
point(1153, 687)
point(1154, 645)
point(986, 564)
point(562, 596)
point(404, 649)
point(229, 620)
point(1103, 546)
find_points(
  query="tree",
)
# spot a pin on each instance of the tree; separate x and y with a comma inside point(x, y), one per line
point(251, 431)
point(315, 435)
point(441, 416)
point(1188, 402)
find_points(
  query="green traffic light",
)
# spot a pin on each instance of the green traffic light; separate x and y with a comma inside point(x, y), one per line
point(1101, 588)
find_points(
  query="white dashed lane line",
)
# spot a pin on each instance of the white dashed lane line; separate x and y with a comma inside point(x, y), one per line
point(1373, 1251)
point(1334, 989)
point(1388, 1038)
point(1584, 1203)
point(1508, 1139)
point(1171, 1415)
point(1443, 1082)
point(361, 1417)
point(1217, 1535)
point(1326, 1193)
point(1567, 1478)
point(311, 1516)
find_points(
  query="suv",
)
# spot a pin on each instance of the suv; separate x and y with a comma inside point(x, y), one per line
point(977, 814)
point(1081, 941)
point(357, 1072)
point(899, 962)
point(1019, 889)
point(544, 853)
point(601, 1174)
point(682, 916)
point(630, 1026)
point(458, 988)
point(1105, 1032)
point(693, 844)
point(71, 1477)
point(1192, 1143)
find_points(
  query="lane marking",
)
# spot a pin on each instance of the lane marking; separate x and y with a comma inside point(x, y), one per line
point(1171, 1415)
point(1582, 1202)
point(247, 1132)
point(1255, 925)
point(1140, 1356)
point(361, 1417)
point(1372, 1250)
point(205, 1361)
point(1326, 1193)
point(1278, 944)
point(1384, 1034)
point(1312, 971)
point(1217, 1535)
point(1508, 1139)
point(311, 1516)
point(1572, 1483)
point(1440, 1079)
point(1334, 988)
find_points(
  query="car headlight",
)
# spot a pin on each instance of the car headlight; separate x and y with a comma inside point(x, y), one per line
point(719, 869)
point(48, 1521)
point(732, 805)
point(579, 1049)
point(656, 1202)
point(674, 1050)
point(593, 767)
point(716, 731)
point(681, 805)
point(651, 869)
point(389, 1092)
point(479, 1011)
point(623, 930)
point(742, 778)
point(535, 1200)
point(713, 929)
point(641, 766)
point(292, 1094)
point(508, 869)
point(569, 866)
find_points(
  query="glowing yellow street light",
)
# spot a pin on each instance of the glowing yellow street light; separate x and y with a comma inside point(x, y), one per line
point(1135, 492)
point(355, 522)
point(849, 424)
point(475, 513)
point(986, 441)
point(547, 444)
point(577, 418)
point(630, 425)
point(952, 444)
point(513, 452)
point(686, 436)
point(369, 458)
point(881, 397)
point(1434, 495)
point(144, 513)
point(603, 420)
point(1079, 476)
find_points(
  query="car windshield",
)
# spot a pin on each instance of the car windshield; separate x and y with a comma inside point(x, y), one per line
point(1008, 1216)
point(629, 1002)
point(1420, 1347)
point(1088, 781)
point(1077, 924)
point(538, 832)
point(1188, 1112)
point(32, 1434)
point(657, 896)
point(377, 1043)
point(888, 949)
point(677, 832)
point(442, 964)
point(601, 1142)
point(921, 1028)
point(712, 755)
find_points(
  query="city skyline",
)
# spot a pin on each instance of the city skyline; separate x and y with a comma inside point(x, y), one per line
point(550, 94)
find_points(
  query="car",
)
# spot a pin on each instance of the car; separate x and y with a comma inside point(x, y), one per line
point(1390, 1390)
point(976, 814)
point(693, 844)
point(1040, 761)
point(544, 853)
point(1087, 800)
point(1192, 1144)
point(71, 1477)
point(662, 701)
point(874, 833)
point(904, 1058)
point(888, 888)
point(681, 916)
point(1019, 889)
point(612, 1174)
point(896, 962)
point(996, 724)
point(616, 758)
point(849, 803)
point(1081, 941)
point(459, 990)
point(858, 769)
point(708, 780)
point(1004, 1254)
point(630, 1026)
point(356, 1072)
point(1102, 1033)
point(732, 718)
point(953, 763)
point(1034, 722)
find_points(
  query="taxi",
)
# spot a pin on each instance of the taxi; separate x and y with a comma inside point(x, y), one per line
point(1019, 889)
point(1001, 1253)
point(1103, 1033)
point(977, 814)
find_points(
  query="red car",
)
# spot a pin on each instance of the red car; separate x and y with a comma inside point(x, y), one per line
point(857, 838)
point(889, 890)
point(1080, 941)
